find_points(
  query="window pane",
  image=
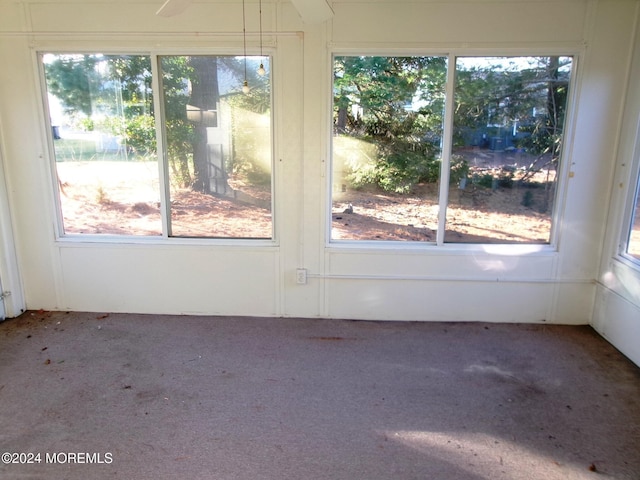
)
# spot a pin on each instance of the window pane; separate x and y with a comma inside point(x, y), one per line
point(633, 245)
point(104, 141)
point(387, 119)
point(507, 138)
point(218, 142)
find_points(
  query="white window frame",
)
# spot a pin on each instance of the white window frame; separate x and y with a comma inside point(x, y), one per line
point(440, 247)
point(633, 189)
point(164, 238)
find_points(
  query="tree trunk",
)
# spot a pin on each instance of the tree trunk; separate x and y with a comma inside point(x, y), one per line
point(205, 96)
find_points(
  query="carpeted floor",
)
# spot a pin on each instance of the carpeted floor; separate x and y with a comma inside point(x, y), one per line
point(91, 396)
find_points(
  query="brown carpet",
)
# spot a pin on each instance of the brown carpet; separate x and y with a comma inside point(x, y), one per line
point(91, 396)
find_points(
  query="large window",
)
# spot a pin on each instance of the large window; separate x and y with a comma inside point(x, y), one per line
point(210, 175)
point(410, 164)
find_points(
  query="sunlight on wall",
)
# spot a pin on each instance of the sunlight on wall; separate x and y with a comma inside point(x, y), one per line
point(625, 280)
point(524, 249)
point(496, 265)
point(505, 258)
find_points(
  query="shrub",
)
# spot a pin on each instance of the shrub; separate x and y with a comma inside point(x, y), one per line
point(482, 180)
point(140, 133)
point(505, 180)
point(527, 199)
point(459, 169)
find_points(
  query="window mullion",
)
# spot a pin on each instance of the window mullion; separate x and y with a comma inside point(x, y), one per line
point(449, 105)
point(161, 146)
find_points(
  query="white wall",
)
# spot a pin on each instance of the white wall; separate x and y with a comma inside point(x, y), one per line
point(617, 312)
point(554, 285)
point(12, 303)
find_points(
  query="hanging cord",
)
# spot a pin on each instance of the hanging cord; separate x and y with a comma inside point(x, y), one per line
point(245, 85)
point(260, 11)
point(261, 70)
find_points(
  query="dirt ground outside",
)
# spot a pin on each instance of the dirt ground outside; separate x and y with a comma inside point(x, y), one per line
point(474, 215)
point(122, 198)
point(491, 205)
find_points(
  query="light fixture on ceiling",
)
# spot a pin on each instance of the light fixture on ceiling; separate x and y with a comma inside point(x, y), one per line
point(261, 70)
point(245, 84)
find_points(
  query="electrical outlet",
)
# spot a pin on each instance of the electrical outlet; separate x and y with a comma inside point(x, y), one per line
point(301, 276)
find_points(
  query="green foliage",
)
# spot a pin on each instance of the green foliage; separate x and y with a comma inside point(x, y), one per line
point(71, 78)
point(86, 124)
point(527, 199)
point(140, 135)
point(397, 172)
point(362, 175)
point(494, 97)
point(112, 94)
point(375, 99)
point(258, 99)
point(94, 83)
point(132, 73)
point(181, 136)
point(505, 180)
point(180, 133)
point(176, 72)
point(397, 104)
point(191, 82)
point(459, 169)
point(484, 180)
point(254, 172)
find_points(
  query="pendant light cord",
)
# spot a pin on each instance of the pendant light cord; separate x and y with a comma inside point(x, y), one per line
point(260, 11)
point(244, 40)
point(261, 70)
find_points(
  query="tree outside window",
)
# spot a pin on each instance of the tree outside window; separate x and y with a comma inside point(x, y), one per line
point(506, 141)
point(216, 168)
point(101, 110)
point(219, 145)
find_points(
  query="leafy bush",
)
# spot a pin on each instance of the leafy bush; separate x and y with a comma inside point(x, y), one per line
point(86, 124)
point(505, 180)
point(140, 134)
point(484, 180)
point(527, 199)
point(395, 172)
point(459, 169)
